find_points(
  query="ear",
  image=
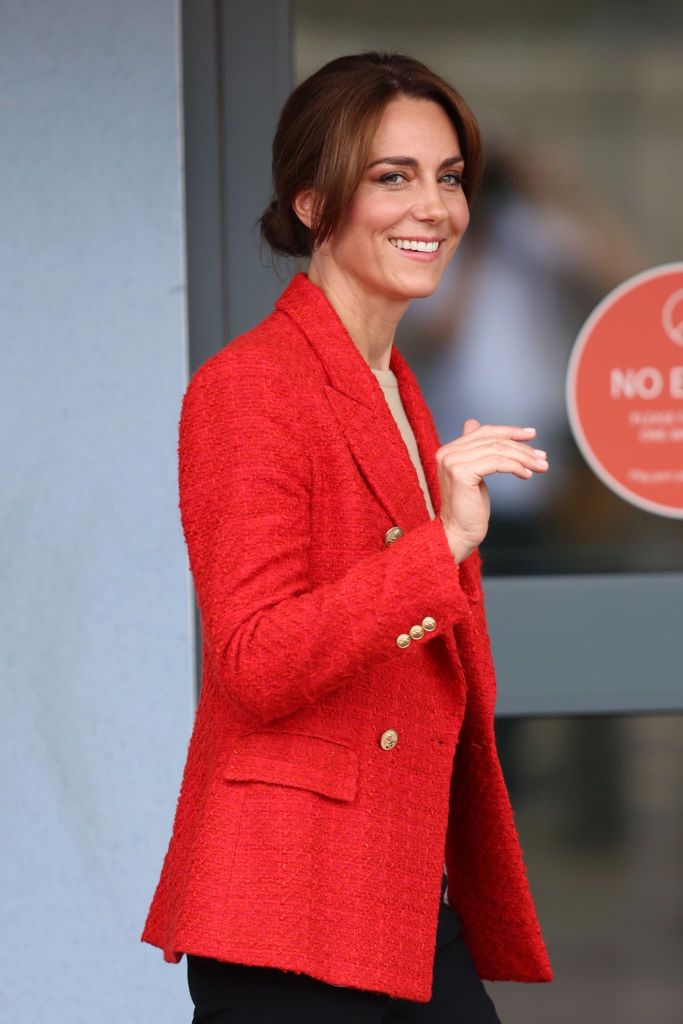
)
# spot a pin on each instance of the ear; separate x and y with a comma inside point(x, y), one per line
point(302, 205)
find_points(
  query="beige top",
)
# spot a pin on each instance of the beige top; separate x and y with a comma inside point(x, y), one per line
point(389, 383)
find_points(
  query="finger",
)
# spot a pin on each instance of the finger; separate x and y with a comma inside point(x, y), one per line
point(488, 430)
point(499, 430)
point(502, 464)
point(502, 446)
point(470, 425)
point(484, 466)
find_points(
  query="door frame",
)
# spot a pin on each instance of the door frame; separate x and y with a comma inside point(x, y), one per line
point(562, 645)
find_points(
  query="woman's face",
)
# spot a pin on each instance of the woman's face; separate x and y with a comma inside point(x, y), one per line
point(410, 192)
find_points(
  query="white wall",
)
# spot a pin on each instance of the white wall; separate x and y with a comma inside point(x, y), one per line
point(97, 641)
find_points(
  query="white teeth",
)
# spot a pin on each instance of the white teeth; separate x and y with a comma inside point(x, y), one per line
point(406, 243)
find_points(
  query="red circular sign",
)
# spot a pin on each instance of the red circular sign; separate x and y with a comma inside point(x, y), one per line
point(625, 390)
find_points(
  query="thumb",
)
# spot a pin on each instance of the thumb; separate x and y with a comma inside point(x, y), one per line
point(470, 425)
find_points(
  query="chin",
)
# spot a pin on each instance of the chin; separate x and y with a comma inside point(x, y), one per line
point(411, 287)
point(422, 289)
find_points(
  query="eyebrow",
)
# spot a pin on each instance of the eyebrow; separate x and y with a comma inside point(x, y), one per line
point(409, 161)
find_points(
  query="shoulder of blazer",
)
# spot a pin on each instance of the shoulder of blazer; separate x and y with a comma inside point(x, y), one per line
point(273, 350)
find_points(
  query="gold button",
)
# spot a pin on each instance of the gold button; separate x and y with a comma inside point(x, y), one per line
point(417, 632)
point(402, 640)
point(388, 739)
point(429, 623)
point(393, 534)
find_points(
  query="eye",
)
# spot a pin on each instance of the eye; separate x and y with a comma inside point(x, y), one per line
point(394, 174)
point(458, 178)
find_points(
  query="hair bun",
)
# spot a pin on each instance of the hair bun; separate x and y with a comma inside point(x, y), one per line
point(283, 231)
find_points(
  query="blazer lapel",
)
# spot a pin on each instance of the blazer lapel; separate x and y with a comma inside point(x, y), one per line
point(366, 420)
point(361, 410)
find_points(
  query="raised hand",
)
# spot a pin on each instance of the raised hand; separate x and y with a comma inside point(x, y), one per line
point(462, 465)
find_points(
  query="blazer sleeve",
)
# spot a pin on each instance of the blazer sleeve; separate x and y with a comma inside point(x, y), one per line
point(276, 642)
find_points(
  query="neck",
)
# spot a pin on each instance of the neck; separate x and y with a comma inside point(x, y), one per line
point(370, 319)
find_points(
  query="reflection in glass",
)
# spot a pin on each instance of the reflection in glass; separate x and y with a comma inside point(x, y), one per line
point(599, 806)
point(494, 342)
point(580, 109)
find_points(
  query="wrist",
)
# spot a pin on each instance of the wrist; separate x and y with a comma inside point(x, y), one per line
point(460, 548)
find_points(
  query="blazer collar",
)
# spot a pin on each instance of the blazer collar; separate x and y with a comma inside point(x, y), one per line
point(362, 411)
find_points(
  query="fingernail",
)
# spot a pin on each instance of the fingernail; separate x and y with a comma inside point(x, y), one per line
point(529, 430)
point(539, 451)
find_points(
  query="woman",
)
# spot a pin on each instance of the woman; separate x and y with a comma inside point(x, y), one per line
point(343, 752)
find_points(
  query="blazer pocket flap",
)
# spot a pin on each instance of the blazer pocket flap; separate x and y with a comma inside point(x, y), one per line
point(295, 759)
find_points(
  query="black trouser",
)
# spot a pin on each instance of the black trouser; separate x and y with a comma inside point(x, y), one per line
point(230, 993)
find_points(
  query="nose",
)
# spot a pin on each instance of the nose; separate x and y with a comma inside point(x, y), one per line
point(430, 204)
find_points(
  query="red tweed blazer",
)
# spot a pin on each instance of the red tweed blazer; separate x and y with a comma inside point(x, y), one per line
point(343, 745)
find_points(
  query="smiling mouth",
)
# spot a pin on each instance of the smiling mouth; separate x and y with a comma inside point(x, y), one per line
point(416, 246)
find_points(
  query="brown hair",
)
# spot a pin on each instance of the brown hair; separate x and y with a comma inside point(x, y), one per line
point(324, 135)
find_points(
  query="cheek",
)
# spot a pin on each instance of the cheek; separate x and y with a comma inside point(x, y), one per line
point(460, 215)
point(376, 213)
